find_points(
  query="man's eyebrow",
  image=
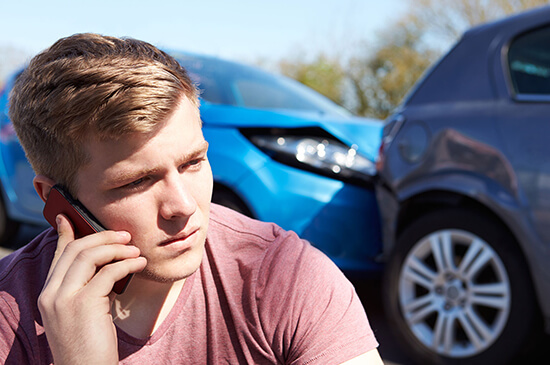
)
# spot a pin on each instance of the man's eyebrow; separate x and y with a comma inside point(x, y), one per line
point(127, 176)
point(197, 151)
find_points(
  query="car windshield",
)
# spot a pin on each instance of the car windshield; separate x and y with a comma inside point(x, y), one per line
point(228, 83)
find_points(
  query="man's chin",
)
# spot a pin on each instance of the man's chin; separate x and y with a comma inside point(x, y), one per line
point(166, 276)
point(169, 270)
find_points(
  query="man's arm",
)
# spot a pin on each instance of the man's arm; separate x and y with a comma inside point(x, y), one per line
point(371, 357)
point(317, 316)
point(76, 299)
point(14, 349)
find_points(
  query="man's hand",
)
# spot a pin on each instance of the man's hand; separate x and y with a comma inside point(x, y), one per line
point(76, 299)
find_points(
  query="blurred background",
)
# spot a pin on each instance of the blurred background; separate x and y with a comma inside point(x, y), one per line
point(363, 54)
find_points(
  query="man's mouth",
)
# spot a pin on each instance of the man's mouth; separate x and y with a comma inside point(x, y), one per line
point(181, 240)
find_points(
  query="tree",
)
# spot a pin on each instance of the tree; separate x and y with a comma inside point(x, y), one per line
point(375, 79)
point(323, 74)
point(448, 19)
point(380, 80)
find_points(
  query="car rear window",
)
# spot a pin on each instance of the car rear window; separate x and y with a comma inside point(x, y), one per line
point(529, 63)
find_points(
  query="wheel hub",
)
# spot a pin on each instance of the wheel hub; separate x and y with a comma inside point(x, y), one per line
point(453, 292)
point(447, 300)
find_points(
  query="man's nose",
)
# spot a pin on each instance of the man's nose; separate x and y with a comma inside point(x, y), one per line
point(176, 199)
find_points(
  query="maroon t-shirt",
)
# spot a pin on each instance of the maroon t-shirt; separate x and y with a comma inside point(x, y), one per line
point(260, 296)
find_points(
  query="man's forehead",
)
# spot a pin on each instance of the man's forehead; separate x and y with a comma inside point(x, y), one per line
point(184, 123)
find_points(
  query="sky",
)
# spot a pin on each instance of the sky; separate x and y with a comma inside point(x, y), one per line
point(241, 30)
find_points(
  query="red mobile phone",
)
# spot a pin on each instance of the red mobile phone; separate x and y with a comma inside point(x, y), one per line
point(84, 223)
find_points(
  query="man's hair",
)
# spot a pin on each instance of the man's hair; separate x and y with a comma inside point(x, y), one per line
point(91, 86)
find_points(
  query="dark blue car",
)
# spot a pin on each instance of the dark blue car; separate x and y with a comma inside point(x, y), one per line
point(279, 152)
point(464, 192)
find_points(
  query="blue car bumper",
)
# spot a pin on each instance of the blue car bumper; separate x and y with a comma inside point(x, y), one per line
point(340, 219)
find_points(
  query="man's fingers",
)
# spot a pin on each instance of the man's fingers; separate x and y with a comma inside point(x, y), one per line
point(90, 263)
point(65, 230)
point(68, 249)
point(65, 234)
point(102, 283)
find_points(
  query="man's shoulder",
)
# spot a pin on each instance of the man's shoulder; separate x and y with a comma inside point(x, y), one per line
point(265, 243)
point(225, 222)
point(28, 266)
point(22, 275)
point(256, 245)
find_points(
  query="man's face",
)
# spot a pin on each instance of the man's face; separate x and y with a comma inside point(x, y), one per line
point(158, 187)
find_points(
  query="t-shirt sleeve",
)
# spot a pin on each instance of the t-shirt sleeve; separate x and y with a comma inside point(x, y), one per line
point(12, 338)
point(309, 310)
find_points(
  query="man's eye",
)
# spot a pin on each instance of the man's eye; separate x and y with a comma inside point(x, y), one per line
point(193, 164)
point(135, 183)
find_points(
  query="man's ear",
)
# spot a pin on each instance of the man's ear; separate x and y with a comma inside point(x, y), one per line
point(43, 185)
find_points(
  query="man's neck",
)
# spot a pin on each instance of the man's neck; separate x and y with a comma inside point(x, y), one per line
point(144, 306)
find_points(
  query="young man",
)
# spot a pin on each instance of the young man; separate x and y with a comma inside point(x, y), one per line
point(117, 123)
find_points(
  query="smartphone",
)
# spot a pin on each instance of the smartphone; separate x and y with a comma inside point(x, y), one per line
point(84, 223)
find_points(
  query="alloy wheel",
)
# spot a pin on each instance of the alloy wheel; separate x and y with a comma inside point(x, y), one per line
point(454, 293)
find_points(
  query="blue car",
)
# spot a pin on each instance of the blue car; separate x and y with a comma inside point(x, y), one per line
point(279, 152)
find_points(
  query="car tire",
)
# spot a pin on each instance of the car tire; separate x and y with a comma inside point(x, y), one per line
point(457, 290)
point(8, 227)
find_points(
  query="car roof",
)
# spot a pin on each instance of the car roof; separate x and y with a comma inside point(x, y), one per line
point(465, 72)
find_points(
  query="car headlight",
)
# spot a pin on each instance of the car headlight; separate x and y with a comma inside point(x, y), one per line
point(316, 151)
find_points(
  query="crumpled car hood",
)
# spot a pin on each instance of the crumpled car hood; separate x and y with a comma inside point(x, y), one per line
point(365, 133)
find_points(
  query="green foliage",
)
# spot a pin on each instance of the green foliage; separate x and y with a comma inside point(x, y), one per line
point(323, 74)
point(374, 80)
point(380, 80)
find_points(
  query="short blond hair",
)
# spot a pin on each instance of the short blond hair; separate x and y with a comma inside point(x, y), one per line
point(92, 86)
